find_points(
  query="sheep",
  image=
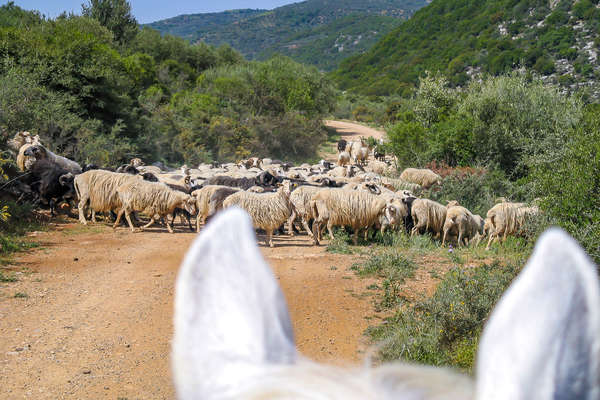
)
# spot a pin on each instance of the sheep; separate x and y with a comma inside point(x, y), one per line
point(25, 162)
point(268, 210)
point(224, 282)
point(215, 202)
point(428, 215)
point(341, 145)
point(508, 219)
point(99, 188)
point(153, 198)
point(423, 177)
point(461, 221)
point(202, 197)
point(399, 184)
point(378, 167)
point(343, 159)
point(362, 156)
point(301, 199)
point(20, 139)
point(52, 182)
point(136, 162)
point(339, 207)
point(38, 152)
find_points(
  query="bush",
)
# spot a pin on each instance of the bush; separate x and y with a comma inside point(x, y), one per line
point(444, 329)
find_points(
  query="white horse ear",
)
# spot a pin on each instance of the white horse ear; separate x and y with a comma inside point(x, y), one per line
point(231, 320)
point(543, 338)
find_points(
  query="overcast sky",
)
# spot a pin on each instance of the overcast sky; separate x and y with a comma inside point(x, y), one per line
point(147, 11)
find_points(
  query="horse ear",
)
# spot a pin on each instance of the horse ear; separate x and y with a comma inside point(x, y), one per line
point(543, 338)
point(231, 321)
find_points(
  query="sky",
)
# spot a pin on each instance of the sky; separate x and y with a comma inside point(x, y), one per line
point(146, 11)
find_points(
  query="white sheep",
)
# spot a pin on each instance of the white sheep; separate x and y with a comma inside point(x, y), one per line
point(300, 199)
point(233, 336)
point(99, 188)
point(154, 199)
point(461, 222)
point(508, 219)
point(268, 210)
point(428, 215)
point(354, 208)
point(423, 177)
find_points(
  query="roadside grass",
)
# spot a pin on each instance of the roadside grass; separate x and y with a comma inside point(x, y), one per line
point(441, 329)
point(12, 232)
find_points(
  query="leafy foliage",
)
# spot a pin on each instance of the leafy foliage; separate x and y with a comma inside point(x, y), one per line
point(100, 90)
point(458, 38)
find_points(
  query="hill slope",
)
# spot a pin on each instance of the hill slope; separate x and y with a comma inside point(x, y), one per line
point(461, 38)
point(321, 32)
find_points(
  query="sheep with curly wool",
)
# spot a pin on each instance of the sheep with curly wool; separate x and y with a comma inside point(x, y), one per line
point(99, 188)
point(423, 177)
point(154, 199)
point(268, 210)
point(338, 207)
point(428, 216)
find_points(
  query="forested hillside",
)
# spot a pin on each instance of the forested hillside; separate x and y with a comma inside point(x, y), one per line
point(105, 95)
point(314, 31)
point(461, 38)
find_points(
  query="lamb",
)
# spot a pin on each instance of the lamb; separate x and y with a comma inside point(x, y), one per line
point(423, 177)
point(38, 152)
point(428, 215)
point(99, 188)
point(343, 159)
point(508, 219)
point(268, 210)
point(155, 199)
point(461, 222)
point(354, 208)
point(224, 282)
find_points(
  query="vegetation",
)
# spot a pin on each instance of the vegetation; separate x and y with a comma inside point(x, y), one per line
point(459, 38)
point(100, 91)
point(313, 31)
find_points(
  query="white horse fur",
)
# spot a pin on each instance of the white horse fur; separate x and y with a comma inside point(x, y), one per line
point(233, 335)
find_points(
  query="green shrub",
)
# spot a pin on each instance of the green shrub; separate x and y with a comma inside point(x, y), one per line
point(444, 329)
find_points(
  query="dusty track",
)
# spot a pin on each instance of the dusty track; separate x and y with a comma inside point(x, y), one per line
point(96, 317)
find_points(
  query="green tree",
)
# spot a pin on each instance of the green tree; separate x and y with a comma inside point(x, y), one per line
point(114, 15)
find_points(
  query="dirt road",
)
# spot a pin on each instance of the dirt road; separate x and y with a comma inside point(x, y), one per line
point(90, 315)
point(349, 131)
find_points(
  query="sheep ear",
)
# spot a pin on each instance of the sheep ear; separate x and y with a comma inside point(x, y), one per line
point(543, 338)
point(231, 320)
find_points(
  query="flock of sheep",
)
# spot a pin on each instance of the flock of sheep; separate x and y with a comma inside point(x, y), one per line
point(355, 193)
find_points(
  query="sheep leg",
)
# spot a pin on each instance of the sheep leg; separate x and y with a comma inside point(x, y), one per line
point(169, 227)
point(355, 237)
point(315, 234)
point(269, 240)
point(329, 229)
point(81, 210)
point(290, 222)
point(118, 219)
point(306, 227)
point(492, 234)
point(198, 220)
point(149, 223)
point(94, 216)
point(128, 218)
point(444, 239)
point(459, 237)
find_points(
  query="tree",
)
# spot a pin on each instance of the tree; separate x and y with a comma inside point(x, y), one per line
point(114, 15)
